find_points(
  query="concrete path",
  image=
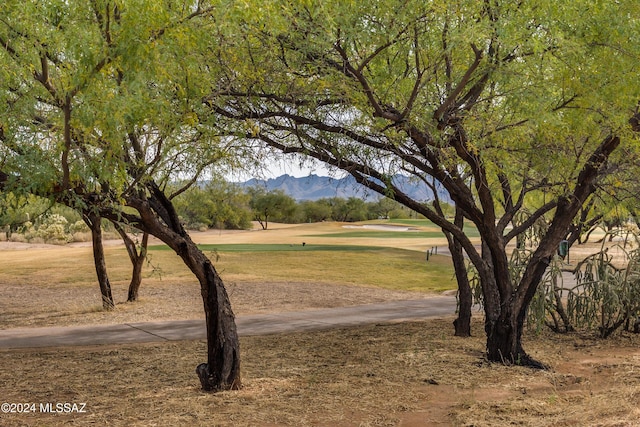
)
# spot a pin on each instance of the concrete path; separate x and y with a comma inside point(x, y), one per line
point(259, 324)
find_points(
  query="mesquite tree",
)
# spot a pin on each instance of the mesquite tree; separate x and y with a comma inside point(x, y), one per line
point(497, 102)
point(94, 222)
point(98, 113)
point(137, 259)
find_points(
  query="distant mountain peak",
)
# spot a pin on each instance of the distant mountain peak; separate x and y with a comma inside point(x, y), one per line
point(314, 187)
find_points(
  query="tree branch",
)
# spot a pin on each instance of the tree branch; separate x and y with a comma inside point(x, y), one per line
point(438, 115)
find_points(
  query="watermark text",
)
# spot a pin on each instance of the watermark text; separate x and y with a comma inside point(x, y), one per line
point(43, 407)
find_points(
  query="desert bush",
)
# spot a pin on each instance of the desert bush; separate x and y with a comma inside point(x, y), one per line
point(604, 296)
point(54, 228)
point(80, 236)
point(79, 227)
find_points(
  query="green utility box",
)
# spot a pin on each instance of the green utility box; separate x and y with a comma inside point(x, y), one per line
point(563, 248)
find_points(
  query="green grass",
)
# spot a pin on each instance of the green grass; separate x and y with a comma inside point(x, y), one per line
point(388, 268)
point(251, 247)
point(469, 229)
point(377, 234)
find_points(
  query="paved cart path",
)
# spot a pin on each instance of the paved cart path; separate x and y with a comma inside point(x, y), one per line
point(258, 324)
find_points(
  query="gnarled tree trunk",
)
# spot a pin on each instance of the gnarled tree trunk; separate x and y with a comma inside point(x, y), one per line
point(504, 341)
point(137, 260)
point(462, 324)
point(222, 369)
point(94, 222)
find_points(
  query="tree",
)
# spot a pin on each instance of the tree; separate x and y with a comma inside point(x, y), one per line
point(494, 101)
point(271, 205)
point(194, 208)
point(348, 210)
point(231, 203)
point(218, 204)
point(137, 259)
point(17, 210)
point(315, 210)
point(102, 111)
point(383, 208)
point(94, 222)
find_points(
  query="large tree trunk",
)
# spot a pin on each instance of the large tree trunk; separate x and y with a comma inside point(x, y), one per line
point(94, 222)
point(222, 370)
point(504, 341)
point(137, 260)
point(504, 315)
point(136, 273)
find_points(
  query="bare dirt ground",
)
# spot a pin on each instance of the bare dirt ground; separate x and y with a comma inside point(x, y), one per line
point(409, 374)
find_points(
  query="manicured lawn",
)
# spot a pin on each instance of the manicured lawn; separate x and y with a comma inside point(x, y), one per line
point(469, 229)
point(378, 234)
point(277, 247)
point(389, 268)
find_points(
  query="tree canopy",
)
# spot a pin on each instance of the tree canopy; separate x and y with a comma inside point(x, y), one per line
point(508, 106)
point(498, 102)
point(101, 107)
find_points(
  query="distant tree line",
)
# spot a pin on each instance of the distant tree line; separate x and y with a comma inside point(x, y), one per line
point(223, 205)
point(216, 205)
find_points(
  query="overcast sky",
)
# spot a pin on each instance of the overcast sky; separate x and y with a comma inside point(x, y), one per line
point(289, 166)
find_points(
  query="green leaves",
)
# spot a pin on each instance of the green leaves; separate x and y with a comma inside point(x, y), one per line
point(105, 91)
point(533, 84)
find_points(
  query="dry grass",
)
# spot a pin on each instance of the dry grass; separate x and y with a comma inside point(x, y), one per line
point(45, 285)
point(390, 269)
point(409, 374)
point(32, 306)
point(62, 296)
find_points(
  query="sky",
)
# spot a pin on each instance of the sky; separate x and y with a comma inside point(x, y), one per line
point(287, 165)
point(282, 166)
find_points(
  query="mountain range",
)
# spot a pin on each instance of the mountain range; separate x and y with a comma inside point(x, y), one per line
point(314, 187)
